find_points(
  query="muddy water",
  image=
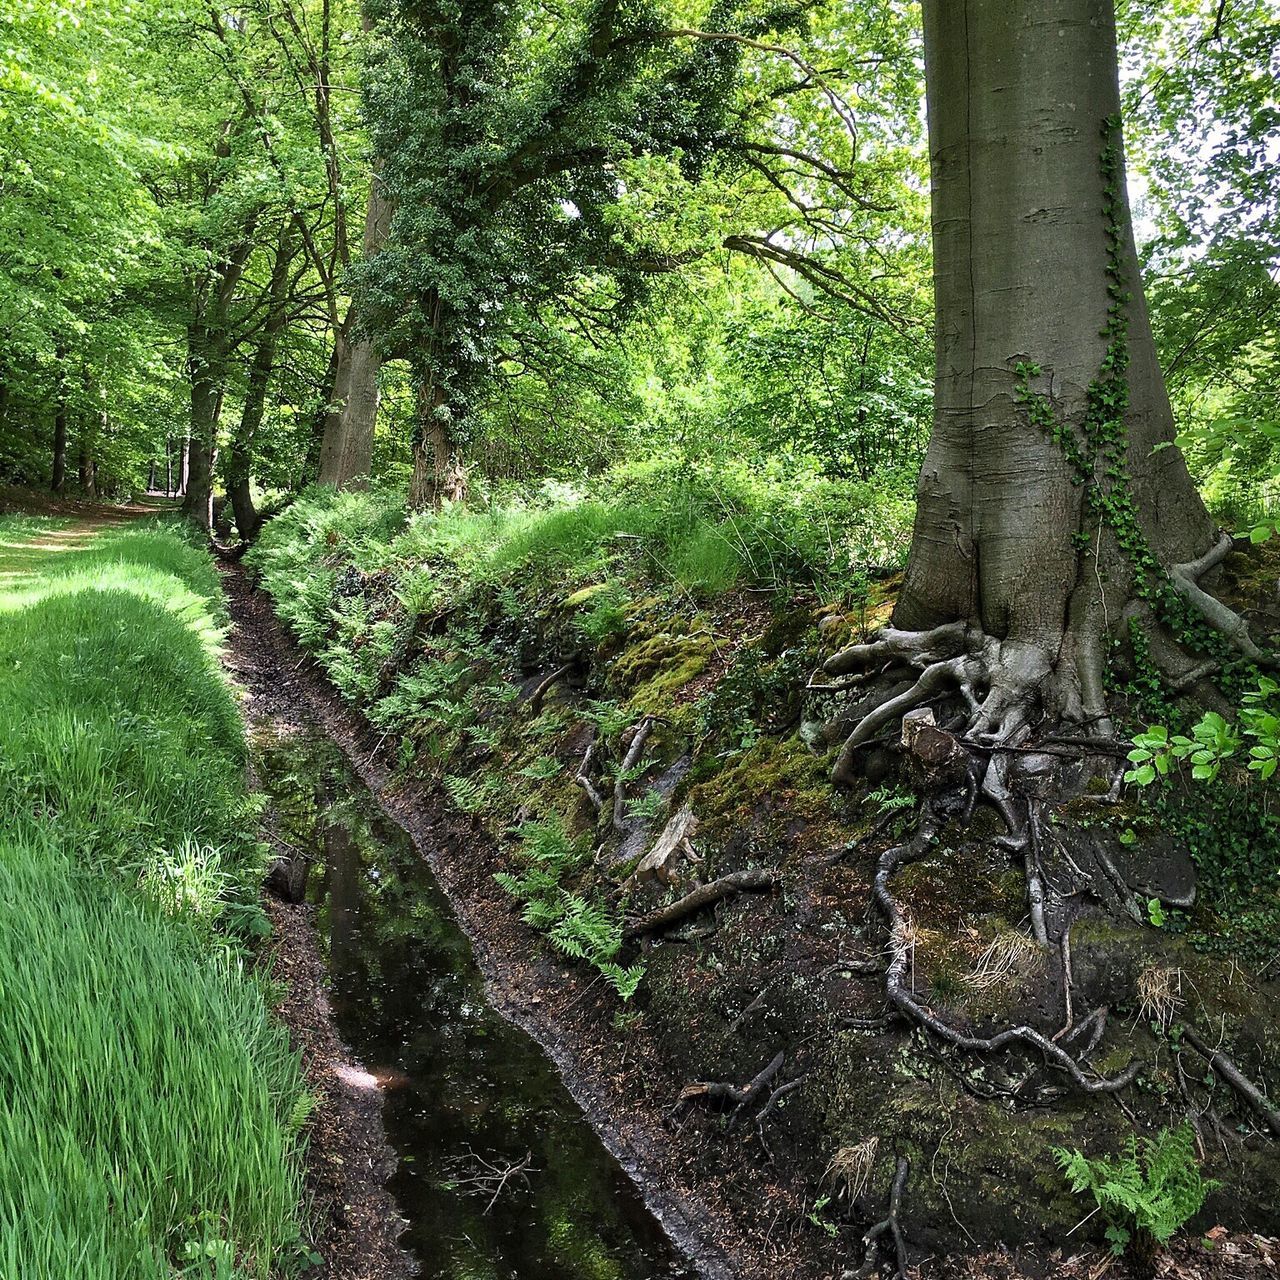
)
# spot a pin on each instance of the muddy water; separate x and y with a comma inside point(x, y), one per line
point(500, 1176)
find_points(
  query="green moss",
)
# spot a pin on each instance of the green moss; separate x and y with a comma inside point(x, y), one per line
point(655, 669)
point(775, 775)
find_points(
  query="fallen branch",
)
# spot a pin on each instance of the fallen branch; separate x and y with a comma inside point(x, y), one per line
point(1232, 1074)
point(740, 1096)
point(756, 880)
point(888, 1224)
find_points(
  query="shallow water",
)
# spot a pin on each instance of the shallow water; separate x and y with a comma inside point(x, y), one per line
point(466, 1095)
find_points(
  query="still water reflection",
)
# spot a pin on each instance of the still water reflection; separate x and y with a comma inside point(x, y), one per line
point(467, 1097)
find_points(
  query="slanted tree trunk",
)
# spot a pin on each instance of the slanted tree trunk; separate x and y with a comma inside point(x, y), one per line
point(346, 450)
point(1024, 560)
point(261, 367)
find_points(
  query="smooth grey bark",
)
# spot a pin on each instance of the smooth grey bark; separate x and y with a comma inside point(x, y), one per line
point(346, 450)
point(1018, 100)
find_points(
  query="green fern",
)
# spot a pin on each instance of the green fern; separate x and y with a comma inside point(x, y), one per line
point(1151, 1189)
point(577, 926)
point(471, 795)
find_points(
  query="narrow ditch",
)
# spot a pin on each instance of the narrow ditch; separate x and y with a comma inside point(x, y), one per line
point(498, 1174)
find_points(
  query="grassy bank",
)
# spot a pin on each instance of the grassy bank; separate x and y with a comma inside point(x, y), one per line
point(149, 1106)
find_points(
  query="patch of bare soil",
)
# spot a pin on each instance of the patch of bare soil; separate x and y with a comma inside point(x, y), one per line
point(734, 1214)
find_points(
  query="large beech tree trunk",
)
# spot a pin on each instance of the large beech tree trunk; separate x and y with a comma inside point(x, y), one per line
point(1018, 573)
point(1018, 97)
point(346, 450)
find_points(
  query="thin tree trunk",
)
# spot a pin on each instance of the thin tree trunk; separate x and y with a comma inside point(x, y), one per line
point(58, 476)
point(206, 398)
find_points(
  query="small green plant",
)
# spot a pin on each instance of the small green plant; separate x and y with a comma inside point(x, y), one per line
point(1147, 1193)
point(577, 926)
point(1214, 741)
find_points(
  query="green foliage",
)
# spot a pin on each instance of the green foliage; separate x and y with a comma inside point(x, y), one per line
point(1152, 1188)
point(576, 925)
point(1214, 741)
point(121, 794)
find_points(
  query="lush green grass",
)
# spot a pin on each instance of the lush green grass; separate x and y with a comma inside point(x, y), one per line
point(149, 1106)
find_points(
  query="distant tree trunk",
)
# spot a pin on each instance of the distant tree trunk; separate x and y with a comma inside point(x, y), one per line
point(346, 451)
point(184, 466)
point(58, 476)
point(88, 469)
point(1017, 577)
point(438, 471)
point(206, 400)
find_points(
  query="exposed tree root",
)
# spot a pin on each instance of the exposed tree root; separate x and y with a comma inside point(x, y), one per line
point(1223, 619)
point(889, 1226)
point(583, 777)
point(639, 737)
point(537, 697)
point(901, 997)
point(754, 880)
point(1228, 1071)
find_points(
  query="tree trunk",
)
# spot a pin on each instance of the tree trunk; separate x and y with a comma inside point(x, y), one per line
point(58, 475)
point(1018, 97)
point(346, 452)
point(88, 470)
point(248, 521)
point(1052, 496)
point(206, 399)
point(438, 471)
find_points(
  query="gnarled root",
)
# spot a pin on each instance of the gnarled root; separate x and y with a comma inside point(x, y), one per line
point(890, 1226)
point(998, 680)
point(1223, 619)
point(901, 997)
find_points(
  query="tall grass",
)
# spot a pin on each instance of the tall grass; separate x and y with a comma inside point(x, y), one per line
point(149, 1106)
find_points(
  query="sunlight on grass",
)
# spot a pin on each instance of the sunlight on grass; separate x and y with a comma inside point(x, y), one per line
point(150, 1107)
